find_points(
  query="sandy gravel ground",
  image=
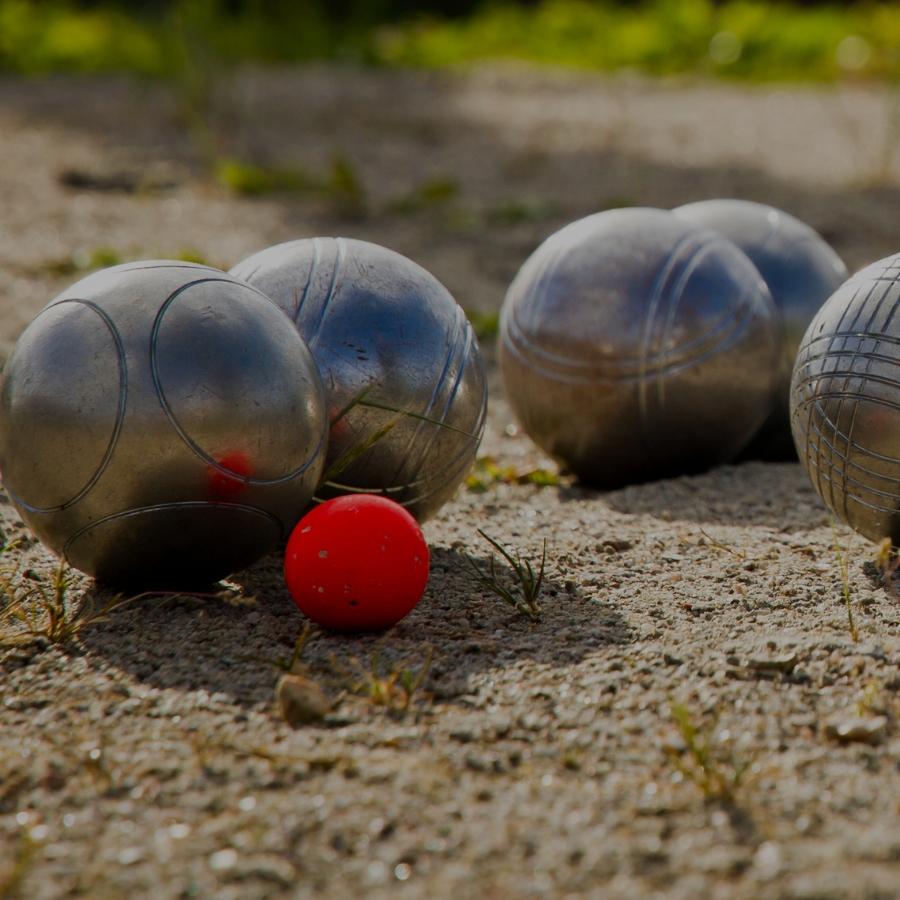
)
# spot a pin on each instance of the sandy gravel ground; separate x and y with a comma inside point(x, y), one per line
point(147, 758)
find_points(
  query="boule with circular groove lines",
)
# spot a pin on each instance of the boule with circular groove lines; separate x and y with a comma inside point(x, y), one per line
point(161, 425)
point(636, 346)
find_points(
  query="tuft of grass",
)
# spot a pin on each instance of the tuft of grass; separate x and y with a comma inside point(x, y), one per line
point(876, 700)
point(35, 607)
point(189, 254)
point(523, 596)
point(394, 687)
point(887, 563)
point(485, 324)
point(32, 606)
point(13, 875)
point(341, 186)
point(843, 562)
point(710, 763)
point(724, 547)
point(514, 212)
point(84, 261)
point(487, 472)
point(344, 187)
point(253, 180)
point(434, 193)
point(292, 665)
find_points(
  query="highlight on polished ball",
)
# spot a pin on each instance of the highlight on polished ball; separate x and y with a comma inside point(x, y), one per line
point(357, 563)
point(398, 358)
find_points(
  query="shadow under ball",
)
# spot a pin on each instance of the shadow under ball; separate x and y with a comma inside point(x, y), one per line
point(161, 425)
point(801, 271)
point(845, 401)
point(636, 346)
point(375, 321)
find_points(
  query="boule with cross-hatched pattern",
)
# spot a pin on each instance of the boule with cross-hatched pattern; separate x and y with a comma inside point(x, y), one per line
point(387, 333)
point(635, 346)
point(161, 425)
point(845, 401)
point(801, 271)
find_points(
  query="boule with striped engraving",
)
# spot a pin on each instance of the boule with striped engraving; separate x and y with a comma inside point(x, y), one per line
point(403, 373)
point(845, 401)
point(161, 425)
point(636, 346)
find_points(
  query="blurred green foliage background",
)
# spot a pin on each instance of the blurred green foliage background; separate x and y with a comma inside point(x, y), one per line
point(748, 39)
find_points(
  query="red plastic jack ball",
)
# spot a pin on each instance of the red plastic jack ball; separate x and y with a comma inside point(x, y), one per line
point(356, 563)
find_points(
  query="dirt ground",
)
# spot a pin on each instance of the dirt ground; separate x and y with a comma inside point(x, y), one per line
point(541, 760)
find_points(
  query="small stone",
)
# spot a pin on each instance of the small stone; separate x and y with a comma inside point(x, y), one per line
point(130, 855)
point(267, 867)
point(615, 545)
point(784, 663)
point(301, 700)
point(223, 860)
point(856, 729)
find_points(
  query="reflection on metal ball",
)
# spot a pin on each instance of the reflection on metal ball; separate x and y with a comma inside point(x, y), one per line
point(635, 346)
point(845, 401)
point(161, 425)
point(801, 272)
point(385, 331)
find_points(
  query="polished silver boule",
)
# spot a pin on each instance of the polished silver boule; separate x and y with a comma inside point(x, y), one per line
point(161, 425)
point(635, 346)
point(801, 271)
point(845, 401)
point(387, 333)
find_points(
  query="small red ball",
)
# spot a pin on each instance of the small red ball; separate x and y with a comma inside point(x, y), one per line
point(356, 563)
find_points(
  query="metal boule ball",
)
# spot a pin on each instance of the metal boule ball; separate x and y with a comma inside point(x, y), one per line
point(845, 401)
point(636, 346)
point(161, 425)
point(403, 374)
point(801, 271)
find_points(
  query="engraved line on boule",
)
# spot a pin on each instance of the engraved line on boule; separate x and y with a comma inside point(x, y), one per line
point(848, 438)
point(818, 448)
point(138, 265)
point(587, 374)
point(313, 265)
point(164, 403)
point(176, 505)
point(518, 340)
point(456, 462)
point(890, 479)
point(457, 351)
point(657, 292)
point(120, 410)
point(827, 465)
point(564, 362)
point(829, 355)
point(312, 334)
point(674, 296)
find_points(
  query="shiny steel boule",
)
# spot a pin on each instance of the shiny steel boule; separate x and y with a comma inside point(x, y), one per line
point(383, 329)
point(635, 346)
point(845, 401)
point(801, 271)
point(161, 425)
